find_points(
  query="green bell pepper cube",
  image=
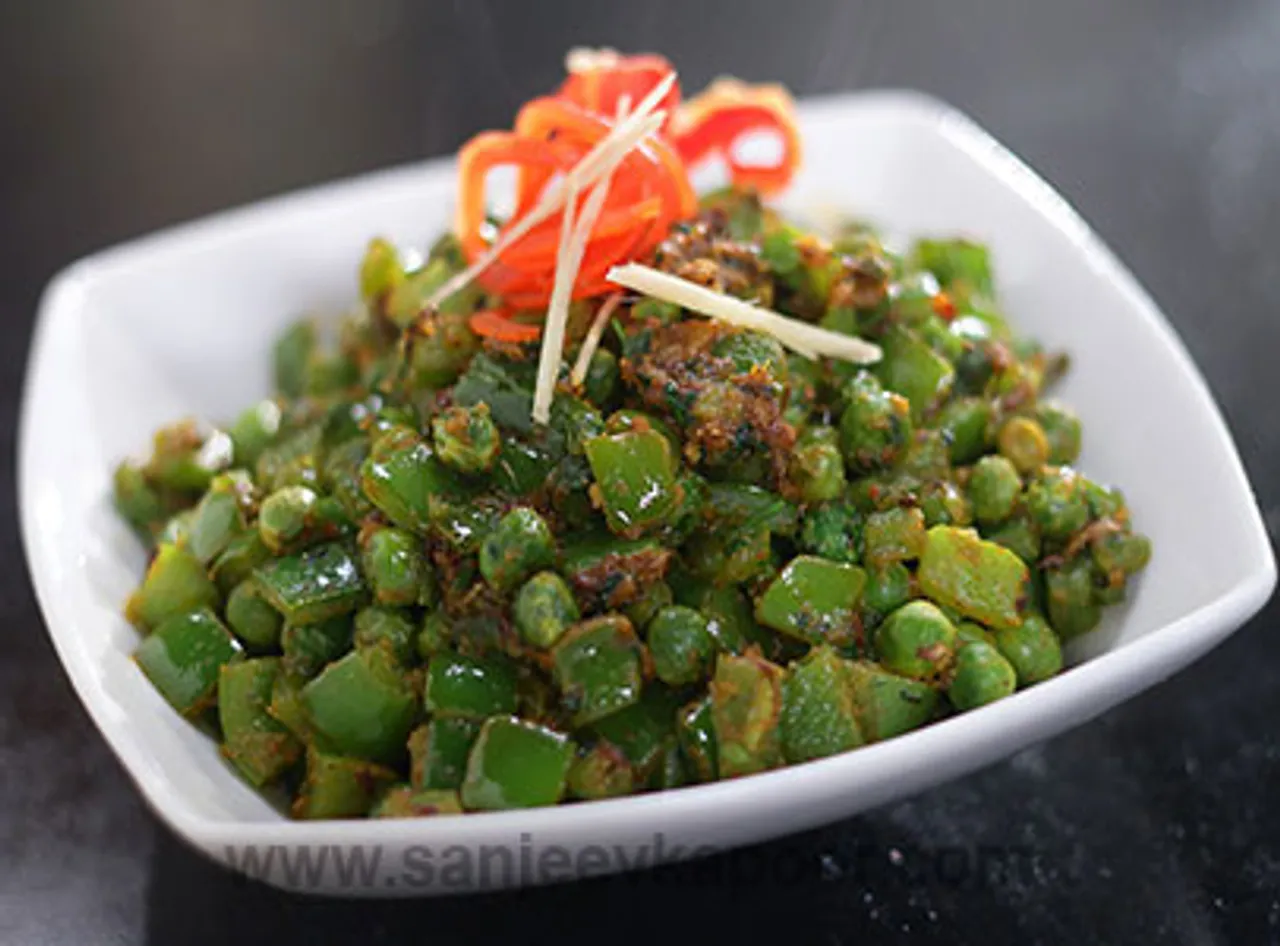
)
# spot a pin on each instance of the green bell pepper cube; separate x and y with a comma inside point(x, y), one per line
point(729, 555)
point(814, 600)
point(889, 705)
point(255, 742)
point(392, 629)
point(339, 787)
point(911, 368)
point(286, 704)
point(182, 658)
point(435, 635)
point(958, 264)
point(818, 718)
point(381, 270)
point(521, 468)
point(695, 727)
point(635, 480)
point(284, 516)
point(602, 771)
point(438, 752)
point(520, 544)
point(746, 706)
point(641, 731)
point(185, 458)
point(403, 802)
point(1020, 535)
point(395, 566)
point(516, 764)
point(1033, 649)
point(361, 706)
point(175, 583)
point(893, 535)
point(220, 515)
point(252, 619)
point(401, 475)
point(340, 476)
point(315, 584)
point(292, 461)
point(242, 555)
point(752, 506)
point(888, 589)
point(544, 609)
point(981, 676)
point(599, 667)
point(307, 648)
point(470, 687)
point(979, 579)
point(681, 646)
point(608, 573)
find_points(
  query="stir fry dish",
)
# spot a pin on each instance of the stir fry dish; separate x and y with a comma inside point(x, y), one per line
point(622, 490)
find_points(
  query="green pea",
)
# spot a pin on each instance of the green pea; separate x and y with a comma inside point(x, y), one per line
point(381, 270)
point(435, 635)
point(980, 676)
point(888, 588)
point(466, 438)
point(680, 644)
point(1105, 502)
point(875, 426)
point(917, 641)
point(519, 545)
point(653, 599)
point(1069, 594)
point(252, 619)
point(1125, 553)
point(1023, 442)
point(1062, 427)
point(966, 422)
point(943, 504)
point(994, 487)
point(395, 566)
point(390, 628)
point(1058, 503)
point(603, 377)
point(833, 531)
point(1032, 648)
point(816, 466)
point(544, 609)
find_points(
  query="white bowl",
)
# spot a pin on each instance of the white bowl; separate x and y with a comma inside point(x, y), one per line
point(180, 323)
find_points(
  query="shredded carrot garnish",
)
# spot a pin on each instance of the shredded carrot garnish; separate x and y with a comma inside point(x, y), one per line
point(498, 326)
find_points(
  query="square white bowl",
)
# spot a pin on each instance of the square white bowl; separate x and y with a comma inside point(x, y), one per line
point(180, 323)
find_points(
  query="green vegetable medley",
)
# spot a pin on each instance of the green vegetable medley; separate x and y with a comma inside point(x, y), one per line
point(391, 593)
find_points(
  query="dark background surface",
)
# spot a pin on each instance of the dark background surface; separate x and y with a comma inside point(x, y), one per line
point(1160, 120)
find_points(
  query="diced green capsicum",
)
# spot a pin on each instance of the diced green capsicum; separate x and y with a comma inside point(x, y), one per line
point(979, 579)
point(438, 752)
point(818, 713)
point(254, 741)
point(183, 656)
point(516, 764)
point(318, 583)
point(362, 706)
point(814, 600)
point(635, 476)
point(746, 706)
point(470, 687)
point(339, 787)
point(598, 667)
point(175, 583)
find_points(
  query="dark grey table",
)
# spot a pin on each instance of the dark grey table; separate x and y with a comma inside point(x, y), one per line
point(1160, 119)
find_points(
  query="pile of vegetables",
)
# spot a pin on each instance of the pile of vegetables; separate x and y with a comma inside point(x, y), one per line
point(390, 591)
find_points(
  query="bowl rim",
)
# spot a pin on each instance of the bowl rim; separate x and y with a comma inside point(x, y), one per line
point(1082, 691)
